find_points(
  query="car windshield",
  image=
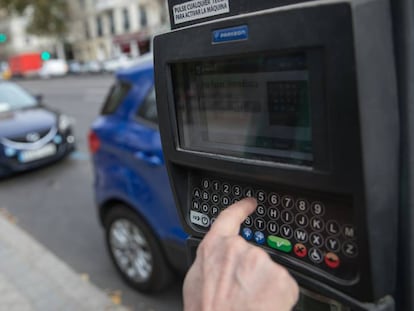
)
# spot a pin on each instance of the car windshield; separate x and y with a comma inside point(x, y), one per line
point(13, 97)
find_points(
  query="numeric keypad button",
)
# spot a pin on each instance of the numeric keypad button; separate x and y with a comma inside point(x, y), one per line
point(248, 192)
point(248, 221)
point(260, 210)
point(317, 224)
point(332, 227)
point(261, 196)
point(272, 227)
point(215, 185)
point(286, 231)
point(302, 205)
point(317, 208)
point(287, 201)
point(286, 217)
point(273, 213)
point(332, 244)
point(316, 239)
point(205, 183)
point(301, 220)
point(274, 199)
point(226, 189)
point(260, 224)
point(237, 191)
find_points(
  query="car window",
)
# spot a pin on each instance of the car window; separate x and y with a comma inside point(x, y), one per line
point(148, 109)
point(116, 95)
point(14, 97)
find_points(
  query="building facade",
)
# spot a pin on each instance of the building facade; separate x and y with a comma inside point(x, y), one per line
point(18, 39)
point(104, 29)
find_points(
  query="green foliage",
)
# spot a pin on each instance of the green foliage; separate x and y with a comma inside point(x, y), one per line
point(47, 17)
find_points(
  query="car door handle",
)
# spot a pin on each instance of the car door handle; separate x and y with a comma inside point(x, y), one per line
point(149, 157)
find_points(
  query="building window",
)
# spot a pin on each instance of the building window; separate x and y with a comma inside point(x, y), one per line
point(87, 32)
point(99, 26)
point(125, 13)
point(143, 16)
point(82, 4)
point(111, 22)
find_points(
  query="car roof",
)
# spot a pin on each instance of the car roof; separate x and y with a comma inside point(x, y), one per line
point(144, 63)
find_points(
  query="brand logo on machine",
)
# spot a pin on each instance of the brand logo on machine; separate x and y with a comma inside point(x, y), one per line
point(230, 34)
point(32, 137)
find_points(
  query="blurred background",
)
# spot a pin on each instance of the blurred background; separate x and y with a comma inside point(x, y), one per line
point(89, 35)
point(63, 65)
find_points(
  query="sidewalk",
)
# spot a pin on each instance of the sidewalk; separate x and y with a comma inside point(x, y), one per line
point(33, 279)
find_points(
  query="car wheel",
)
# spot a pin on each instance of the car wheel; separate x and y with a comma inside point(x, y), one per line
point(135, 251)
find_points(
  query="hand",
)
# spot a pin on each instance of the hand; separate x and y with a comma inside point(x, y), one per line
point(231, 274)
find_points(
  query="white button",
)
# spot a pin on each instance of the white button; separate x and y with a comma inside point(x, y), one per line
point(301, 235)
point(199, 219)
point(286, 231)
point(205, 183)
point(302, 205)
point(318, 209)
point(287, 201)
point(274, 199)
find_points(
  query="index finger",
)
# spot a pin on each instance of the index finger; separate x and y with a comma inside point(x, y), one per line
point(229, 220)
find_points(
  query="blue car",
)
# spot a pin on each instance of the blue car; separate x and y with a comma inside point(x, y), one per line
point(142, 229)
point(31, 135)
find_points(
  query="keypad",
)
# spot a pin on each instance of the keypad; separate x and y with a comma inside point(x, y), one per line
point(314, 229)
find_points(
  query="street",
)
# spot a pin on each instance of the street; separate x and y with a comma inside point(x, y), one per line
point(55, 204)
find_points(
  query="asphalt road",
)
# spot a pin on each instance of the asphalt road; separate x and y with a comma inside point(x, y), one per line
point(55, 204)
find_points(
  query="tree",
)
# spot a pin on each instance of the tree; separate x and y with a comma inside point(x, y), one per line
point(46, 18)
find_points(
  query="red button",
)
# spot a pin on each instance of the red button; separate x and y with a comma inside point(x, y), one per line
point(300, 250)
point(332, 260)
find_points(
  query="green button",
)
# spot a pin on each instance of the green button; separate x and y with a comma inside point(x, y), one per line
point(279, 244)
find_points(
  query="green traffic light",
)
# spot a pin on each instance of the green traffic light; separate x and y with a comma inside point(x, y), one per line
point(3, 37)
point(45, 55)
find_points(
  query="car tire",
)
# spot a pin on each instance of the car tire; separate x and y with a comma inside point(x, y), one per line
point(135, 251)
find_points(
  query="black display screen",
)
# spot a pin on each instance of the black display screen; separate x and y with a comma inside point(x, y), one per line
point(254, 107)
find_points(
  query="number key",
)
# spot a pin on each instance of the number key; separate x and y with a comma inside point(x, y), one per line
point(287, 201)
point(261, 196)
point(237, 191)
point(274, 199)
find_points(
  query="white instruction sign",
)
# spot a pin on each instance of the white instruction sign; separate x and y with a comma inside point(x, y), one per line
point(196, 9)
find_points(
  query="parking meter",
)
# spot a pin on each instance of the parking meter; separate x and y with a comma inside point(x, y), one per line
point(293, 103)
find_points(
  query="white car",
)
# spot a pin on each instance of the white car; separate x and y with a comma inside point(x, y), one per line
point(53, 68)
point(113, 64)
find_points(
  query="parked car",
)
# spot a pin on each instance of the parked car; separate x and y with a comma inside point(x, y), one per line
point(114, 64)
point(74, 67)
point(92, 67)
point(142, 229)
point(54, 68)
point(31, 135)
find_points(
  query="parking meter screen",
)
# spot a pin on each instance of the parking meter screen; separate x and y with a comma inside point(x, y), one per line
point(254, 107)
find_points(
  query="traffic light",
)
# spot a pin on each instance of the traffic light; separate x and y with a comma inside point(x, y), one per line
point(3, 37)
point(45, 55)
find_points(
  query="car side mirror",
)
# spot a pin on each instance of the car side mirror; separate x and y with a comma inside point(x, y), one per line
point(39, 98)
